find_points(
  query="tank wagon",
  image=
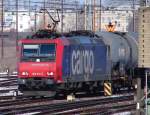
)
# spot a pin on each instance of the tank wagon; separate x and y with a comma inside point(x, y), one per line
point(76, 61)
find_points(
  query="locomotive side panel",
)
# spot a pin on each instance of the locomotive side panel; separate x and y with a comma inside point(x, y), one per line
point(101, 62)
point(85, 62)
point(66, 64)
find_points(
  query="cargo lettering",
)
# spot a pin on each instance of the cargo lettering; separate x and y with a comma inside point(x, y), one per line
point(82, 62)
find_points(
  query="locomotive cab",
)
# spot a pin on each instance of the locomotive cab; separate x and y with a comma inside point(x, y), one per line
point(37, 65)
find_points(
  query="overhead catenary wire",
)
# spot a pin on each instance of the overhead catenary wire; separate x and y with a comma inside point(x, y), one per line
point(39, 4)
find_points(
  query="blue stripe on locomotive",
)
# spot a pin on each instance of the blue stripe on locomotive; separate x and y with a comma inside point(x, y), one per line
point(85, 62)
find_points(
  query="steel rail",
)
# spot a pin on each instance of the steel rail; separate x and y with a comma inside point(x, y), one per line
point(52, 108)
point(21, 100)
point(107, 110)
point(89, 103)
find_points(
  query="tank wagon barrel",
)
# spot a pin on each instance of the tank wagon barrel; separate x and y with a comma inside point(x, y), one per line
point(122, 48)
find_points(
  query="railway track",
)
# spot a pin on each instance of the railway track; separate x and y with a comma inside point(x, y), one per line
point(8, 76)
point(102, 106)
point(23, 105)
point(7, 89)
point(47, 106)
point(8, 80)
point(98, 109)
point(6, 98)
point(8, 84)
point(22, 100)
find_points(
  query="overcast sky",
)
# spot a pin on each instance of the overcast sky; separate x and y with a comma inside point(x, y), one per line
point(115, 3)
point(106, 3)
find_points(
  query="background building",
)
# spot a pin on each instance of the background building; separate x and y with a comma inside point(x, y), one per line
point(75, 16)
point(92, 16)
point(30, 17)
point(123, 20)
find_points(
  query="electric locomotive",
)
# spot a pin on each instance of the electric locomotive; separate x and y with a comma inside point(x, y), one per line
point(75, 61)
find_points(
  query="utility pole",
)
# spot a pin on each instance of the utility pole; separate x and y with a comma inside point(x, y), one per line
point(94, 15)
point(146, 88)
point(2, 16)
point(139, 96)
point(85, 14)
point(143, 2)
point(62, 15)
point(100, 15)
point(76, 15)
point(133, 15)
point(44, 16)
point(35, 16)
point(29, 7)
point(2, 27)
point(17, 24)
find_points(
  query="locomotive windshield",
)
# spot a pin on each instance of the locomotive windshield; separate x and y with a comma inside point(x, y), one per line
point(42, 52)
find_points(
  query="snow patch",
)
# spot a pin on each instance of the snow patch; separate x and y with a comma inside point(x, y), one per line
point(1, 79)
point(3, 73)
point(9, 87)
point(33, 113)
point(123, 113)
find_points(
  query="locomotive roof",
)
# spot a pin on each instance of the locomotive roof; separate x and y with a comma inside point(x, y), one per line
point(75, 37)
point(84, 37)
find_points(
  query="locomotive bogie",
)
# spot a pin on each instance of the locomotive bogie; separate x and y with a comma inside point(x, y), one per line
point(36, 84)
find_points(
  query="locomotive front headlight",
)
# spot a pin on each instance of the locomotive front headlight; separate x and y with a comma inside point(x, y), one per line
point(24, 73)
point(50, 73)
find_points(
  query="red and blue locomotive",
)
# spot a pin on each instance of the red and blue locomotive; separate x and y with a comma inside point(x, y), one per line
point(75, 61)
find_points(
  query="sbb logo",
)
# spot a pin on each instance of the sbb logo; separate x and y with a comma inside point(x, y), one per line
point(82, 62)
